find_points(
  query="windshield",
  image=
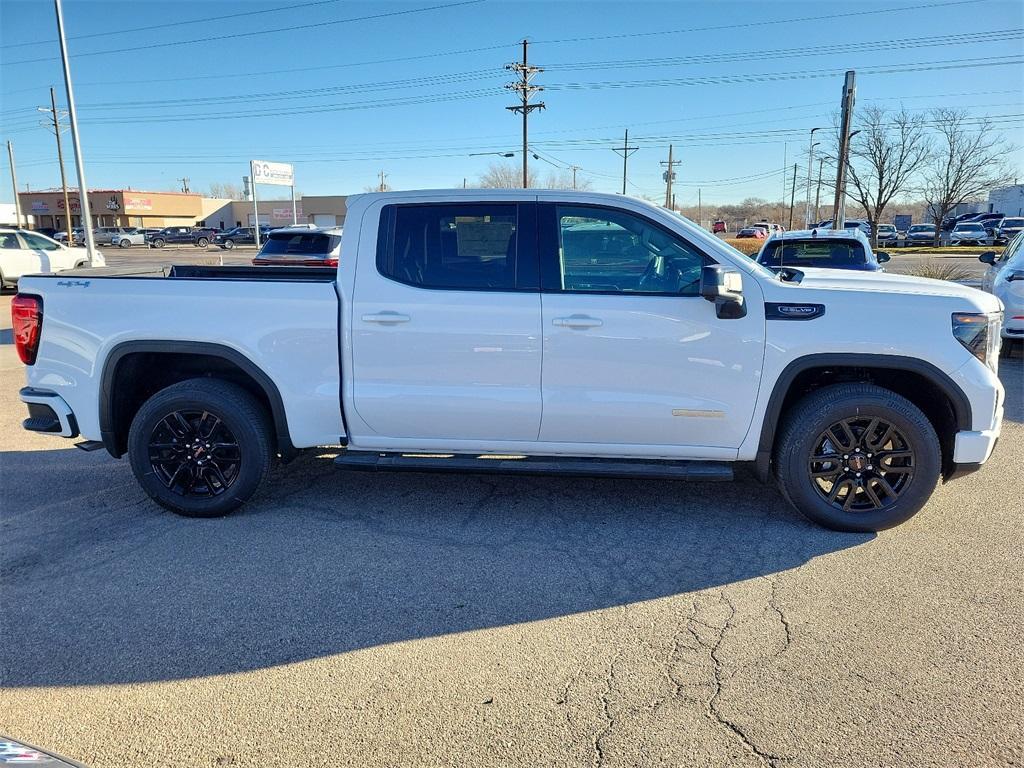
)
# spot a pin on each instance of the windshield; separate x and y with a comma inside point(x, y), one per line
point(1013, 222)
point(300, 244)
point(812, 253)
point(968, 227)
point(922, 228)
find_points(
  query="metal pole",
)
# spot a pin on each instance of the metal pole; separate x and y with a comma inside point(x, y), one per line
point(792, 198)
point(700, 209)
point(255, 206)
point(625, 157)
point(810, 163)
point(14, 183)
point(668, 180)
point(526, 93)
point(849, 94)
point(295, 215)
point(817, 195)
point(83, 190)
point(60, 161)
point(785, 167)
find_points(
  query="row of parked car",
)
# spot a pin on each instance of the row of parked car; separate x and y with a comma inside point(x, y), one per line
point(969, 229)
point(157, 237)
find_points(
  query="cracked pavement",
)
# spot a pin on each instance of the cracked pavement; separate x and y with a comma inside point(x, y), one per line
point(357, 619)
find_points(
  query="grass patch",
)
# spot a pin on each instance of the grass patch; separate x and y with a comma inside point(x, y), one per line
point(748, 245)
point(943, 250)
point(937, 270)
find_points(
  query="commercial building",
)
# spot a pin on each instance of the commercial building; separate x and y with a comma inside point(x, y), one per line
point(133, 208)
point(1008, 200)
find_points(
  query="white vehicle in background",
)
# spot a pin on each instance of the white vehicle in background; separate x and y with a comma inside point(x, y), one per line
point(523, 331)
point(1005, 278)
point(23, 252)
point(128, 239)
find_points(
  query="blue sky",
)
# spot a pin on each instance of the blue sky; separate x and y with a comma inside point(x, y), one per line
point(736, 86)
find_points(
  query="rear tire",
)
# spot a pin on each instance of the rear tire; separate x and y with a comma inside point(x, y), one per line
point(875, 473)
point(229, 244)
point(201, 447)
point(202, 242)
point(157, 243)
point(124, 244)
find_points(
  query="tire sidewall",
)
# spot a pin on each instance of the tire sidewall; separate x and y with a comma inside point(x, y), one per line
point(803, 493)
point(251, 438)
point(229, 244)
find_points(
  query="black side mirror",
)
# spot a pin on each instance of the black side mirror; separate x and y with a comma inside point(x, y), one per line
point(988, 257)
point(882, 257)
point(724, 287)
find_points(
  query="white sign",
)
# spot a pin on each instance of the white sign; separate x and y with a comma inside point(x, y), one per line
point(285, 214)
point(273, 173)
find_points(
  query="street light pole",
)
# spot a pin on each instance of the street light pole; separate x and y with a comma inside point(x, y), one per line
point(83, 190)
point(14, 183)
point(810, 163)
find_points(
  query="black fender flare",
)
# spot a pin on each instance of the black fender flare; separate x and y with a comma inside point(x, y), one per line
point(959, 400)
point(106, 405)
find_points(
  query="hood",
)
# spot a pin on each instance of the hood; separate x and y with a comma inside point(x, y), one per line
point(97, 255)
point(888, 282)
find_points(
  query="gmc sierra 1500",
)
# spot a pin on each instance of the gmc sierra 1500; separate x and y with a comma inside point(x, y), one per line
point(523, 331)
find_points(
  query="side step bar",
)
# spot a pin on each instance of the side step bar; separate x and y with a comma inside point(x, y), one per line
point(701, 471)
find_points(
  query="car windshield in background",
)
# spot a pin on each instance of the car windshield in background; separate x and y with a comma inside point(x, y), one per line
point(813, 254)
point(922, 228)
point(299, 244)
point(969, 228)
point(1013, 222)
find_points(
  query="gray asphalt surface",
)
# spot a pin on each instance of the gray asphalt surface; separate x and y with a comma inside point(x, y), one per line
point(360, 619)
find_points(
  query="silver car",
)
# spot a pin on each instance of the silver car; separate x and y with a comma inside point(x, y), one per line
point(106, 235)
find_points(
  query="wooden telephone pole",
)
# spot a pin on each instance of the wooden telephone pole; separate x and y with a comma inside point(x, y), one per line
point(525, 89)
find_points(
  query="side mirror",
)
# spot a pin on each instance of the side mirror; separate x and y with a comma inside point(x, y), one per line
point(988, 257)
point(724, 287)
point(882, 257)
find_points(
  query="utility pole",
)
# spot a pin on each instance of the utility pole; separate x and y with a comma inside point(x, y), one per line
point(60, 158)
point(810, 162)
point(817, 195)
point(14, 183)
point(849, 96)
point(525, 89)
point(785, 167)
point(83, 190)
point(625, 150)
point(700, 210)
point(184, 184)
point(669, 175)
point(381, 187)
point(574, 168)
point(792, 198)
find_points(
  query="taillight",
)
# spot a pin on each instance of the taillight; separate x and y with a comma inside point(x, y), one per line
point(331, 262)
point(27, 319)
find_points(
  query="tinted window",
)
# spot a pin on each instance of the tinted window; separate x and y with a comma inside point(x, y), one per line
point(300, 244)
point(38, 243)
point(1013, 222)
point(605, 250)
point(467, 247)
point(813, 254)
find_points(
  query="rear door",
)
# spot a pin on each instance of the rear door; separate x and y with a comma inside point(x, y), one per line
point(16, 258)
point(633, 355)
point(45, 255)
point(446, 324)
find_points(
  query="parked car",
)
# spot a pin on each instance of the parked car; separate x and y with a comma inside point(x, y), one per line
point(138, 237)
point(860, 224)
point(920, 234)
point(300, 247)
point(23, 252)
point(239, 236)
point(719, 226)
point(105, 235)
point(757, 232)
point(46, 231)
point(1008, 228)
point(77, 235)
point(1005, 279)
point(198, 236)
point(422, 351)
point(846, 249)
point(887, 235)
point(970, 233)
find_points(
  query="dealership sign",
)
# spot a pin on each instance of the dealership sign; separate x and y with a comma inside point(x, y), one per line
point(40, 206)
point(138, 203)
point(285, 214)
point(273, 173)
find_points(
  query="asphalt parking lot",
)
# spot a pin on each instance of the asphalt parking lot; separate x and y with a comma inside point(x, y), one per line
point(390, 620)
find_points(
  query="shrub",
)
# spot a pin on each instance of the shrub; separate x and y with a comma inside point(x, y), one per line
point(939, 270)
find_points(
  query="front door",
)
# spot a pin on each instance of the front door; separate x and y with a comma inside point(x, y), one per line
point(633, 355)
point(446, 324)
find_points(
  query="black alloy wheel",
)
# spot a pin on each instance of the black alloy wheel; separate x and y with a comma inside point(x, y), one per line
point(861, 464)
point(193, 453)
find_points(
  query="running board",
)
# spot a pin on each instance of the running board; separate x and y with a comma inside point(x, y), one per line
point(372, 461)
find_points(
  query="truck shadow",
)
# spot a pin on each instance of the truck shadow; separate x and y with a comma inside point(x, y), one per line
point(101, 586)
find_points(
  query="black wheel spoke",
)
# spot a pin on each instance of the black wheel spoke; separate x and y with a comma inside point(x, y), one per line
point(869, 491)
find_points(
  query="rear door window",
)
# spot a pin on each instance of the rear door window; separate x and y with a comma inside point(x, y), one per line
point(470, 246)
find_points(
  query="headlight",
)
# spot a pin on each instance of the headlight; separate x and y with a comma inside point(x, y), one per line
point(979, 333)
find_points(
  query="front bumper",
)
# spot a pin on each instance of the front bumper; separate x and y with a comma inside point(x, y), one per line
point(48, 413)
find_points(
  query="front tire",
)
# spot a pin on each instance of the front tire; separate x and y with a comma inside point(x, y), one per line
point(229, 244)
point(857, 457)
point(201, 447)
point(124, 244)
point(202, 242)
point(157, 243)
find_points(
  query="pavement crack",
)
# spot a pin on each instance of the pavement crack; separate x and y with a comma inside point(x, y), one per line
point(606, 711)
point(773, 602)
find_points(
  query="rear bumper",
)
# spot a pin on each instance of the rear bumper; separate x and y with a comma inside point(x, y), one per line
point(48, 413)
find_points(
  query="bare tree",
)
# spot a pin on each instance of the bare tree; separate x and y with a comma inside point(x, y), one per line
point(885, 159)
point(968, 161)
point(505, 176)
point(563, 179)
point(225, 189)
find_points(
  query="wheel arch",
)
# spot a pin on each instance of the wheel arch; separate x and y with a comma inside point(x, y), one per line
point(166, 363)
point(929, 388)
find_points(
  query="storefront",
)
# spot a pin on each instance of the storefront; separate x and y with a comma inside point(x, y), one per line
point(113, 208)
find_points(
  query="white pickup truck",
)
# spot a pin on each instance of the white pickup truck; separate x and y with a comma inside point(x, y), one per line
point(522, 331)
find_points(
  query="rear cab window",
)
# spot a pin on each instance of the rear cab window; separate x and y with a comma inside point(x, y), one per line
point(813, 253)
point(303, 244)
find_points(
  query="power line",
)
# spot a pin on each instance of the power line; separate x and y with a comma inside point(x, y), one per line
point(175, 23)
point(237, 35)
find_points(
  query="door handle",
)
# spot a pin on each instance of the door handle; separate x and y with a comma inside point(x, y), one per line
point(578, 321)
point(386, 318)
